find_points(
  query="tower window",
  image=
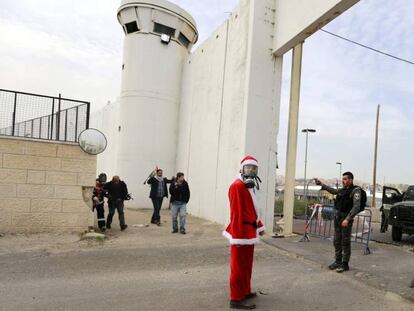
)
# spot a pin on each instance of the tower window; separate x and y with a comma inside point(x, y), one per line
point(131, 27)
point(183, 40)
point(162, 29)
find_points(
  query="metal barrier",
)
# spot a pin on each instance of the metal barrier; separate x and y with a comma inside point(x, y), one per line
point(319, 223)
point(42, 117)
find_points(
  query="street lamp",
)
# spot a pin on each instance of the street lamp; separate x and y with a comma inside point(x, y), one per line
point(340, 174)
point(307, 131)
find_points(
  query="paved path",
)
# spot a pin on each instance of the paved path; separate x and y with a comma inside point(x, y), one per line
point(148, 268)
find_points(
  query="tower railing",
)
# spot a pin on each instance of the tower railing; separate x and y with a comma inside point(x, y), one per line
point(42, 117)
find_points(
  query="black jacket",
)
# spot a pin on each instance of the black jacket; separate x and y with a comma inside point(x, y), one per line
point(113, 191)
point(154, 187)
point(179, 192)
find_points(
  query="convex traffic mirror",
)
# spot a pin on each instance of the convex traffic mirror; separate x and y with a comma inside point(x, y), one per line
point(92, 141)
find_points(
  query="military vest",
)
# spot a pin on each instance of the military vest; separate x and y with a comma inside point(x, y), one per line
point(344, 201)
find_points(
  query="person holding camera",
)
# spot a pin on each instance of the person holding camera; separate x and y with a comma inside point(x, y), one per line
point(180, 195)
point(98, 204)
point(117, 192)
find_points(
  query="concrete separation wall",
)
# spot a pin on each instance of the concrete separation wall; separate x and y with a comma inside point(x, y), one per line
point(230, 108)
point(41, 186)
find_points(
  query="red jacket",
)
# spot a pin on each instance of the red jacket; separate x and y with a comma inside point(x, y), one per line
point(244, 224)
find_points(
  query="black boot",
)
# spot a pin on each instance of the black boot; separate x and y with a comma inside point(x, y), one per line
point(412, 283)
point(242, 304)
point(251, 295)
point(344, 267)
point(335, 265)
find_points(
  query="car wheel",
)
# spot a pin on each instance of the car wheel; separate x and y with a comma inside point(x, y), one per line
point(396, 233)
point(383, 224)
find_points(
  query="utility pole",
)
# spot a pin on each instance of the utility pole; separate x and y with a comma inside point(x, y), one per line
point(307, 131)
point(340, 174)
point(374, 183)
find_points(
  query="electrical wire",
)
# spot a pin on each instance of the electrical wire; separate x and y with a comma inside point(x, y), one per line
point(368, 47)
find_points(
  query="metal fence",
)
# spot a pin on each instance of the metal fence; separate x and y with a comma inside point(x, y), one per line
point(320, 220)
point(42, 117)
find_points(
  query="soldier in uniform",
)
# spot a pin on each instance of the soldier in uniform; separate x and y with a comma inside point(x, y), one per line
point(347, 206)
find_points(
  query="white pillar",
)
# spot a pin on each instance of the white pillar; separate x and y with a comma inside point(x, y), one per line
point(289, 195)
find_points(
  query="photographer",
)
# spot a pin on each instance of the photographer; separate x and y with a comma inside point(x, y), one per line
point(98, 203)
point(117, 192)
point(180, 195)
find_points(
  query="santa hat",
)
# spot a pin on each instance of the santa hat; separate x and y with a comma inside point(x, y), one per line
point(249, 160)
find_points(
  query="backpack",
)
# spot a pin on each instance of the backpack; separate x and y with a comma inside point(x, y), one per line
point(363, 199)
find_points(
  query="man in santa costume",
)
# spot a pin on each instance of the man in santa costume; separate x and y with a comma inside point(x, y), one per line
point(243, 232)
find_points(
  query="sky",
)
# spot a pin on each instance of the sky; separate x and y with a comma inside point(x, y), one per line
point(75, 48)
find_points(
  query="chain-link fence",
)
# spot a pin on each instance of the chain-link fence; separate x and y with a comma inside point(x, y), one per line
point(42, 117)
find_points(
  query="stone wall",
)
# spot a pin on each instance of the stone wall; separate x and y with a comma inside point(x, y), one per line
point(41, 186)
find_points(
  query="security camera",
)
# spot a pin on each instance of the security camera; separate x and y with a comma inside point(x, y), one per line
point(165, 38)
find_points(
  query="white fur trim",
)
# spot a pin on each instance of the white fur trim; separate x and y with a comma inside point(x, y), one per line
point(261, 229)
point(240, 241)
point(253, 195)
point(249, 162)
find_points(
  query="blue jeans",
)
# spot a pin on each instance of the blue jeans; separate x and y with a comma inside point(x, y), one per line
point(178, 208)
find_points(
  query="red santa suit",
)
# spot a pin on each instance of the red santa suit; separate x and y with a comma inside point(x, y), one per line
point(242, 233)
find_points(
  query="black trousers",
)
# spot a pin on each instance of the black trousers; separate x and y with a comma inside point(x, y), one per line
point(117, 205)
point(157, 203)
point(342, 240)
point(101, 215)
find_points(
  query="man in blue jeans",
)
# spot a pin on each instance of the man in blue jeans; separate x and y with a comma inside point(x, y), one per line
point(158, 192)
point(180, 195)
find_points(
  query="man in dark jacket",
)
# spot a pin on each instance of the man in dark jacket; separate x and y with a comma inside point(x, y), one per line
point(347, 206)
point(157, 194)
point(180, 195)
point(116, 191)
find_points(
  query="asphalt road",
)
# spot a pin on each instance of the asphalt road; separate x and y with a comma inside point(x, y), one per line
point(148, 268)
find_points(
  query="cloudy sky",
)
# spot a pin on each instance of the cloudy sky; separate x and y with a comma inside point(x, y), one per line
point(75, 48)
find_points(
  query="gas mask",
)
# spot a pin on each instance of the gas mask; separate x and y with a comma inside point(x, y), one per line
point(249, 176)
